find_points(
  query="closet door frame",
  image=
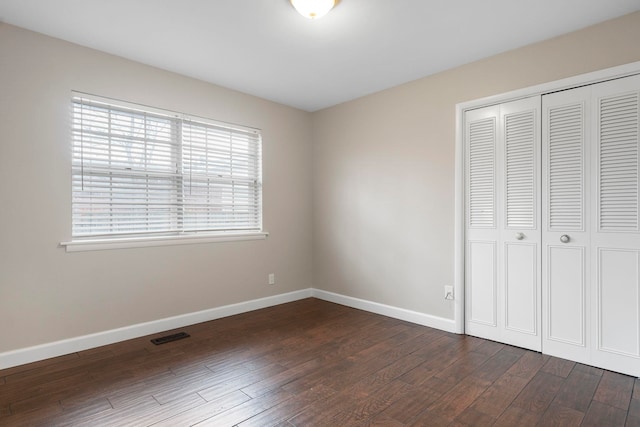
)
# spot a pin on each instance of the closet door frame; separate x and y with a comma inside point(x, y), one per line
point(460, 156)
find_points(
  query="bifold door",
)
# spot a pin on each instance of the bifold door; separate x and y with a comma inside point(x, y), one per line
point(566, 222)
point(591, 239)
point(503, 223)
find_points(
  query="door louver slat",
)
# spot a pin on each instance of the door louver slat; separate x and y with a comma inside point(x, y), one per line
point(565, 167)
point(482, 139)
point(520, 169)
point(618, 157)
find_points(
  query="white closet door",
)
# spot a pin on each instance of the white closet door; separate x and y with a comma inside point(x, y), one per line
point(615, 237)
point(503, 224)
point(591, 230)
point(481, 270)
point(566, 189)
point(519, 201)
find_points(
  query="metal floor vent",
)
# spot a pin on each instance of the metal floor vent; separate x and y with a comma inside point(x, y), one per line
point(169, 338)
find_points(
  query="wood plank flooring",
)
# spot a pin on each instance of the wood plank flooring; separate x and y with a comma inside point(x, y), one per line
point(314, 363)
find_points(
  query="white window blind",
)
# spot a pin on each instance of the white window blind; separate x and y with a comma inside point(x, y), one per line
point(138, 171)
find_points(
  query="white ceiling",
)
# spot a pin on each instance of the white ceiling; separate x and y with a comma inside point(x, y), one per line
point(264, 48)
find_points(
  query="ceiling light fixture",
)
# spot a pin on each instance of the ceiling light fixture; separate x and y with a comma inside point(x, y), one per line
point(313, 9)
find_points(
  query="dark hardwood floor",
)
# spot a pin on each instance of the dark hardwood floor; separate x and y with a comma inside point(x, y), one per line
point(314, 363)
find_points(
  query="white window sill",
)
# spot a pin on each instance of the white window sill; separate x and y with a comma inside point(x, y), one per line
point(141, 242)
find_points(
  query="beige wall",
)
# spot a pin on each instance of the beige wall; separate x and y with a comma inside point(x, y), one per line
point(47, 294)
point(383, 174)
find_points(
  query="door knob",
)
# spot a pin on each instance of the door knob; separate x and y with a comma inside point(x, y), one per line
point(519, 236)
point(565, 238)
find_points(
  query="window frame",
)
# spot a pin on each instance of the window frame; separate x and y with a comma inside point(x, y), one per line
point(179, 233)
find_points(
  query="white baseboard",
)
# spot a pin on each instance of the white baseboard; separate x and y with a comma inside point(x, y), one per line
point(44, 351)
point(448, 325)
point(59, 348)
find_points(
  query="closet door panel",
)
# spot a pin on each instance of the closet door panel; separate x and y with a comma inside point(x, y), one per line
point(519, 202)
point(615, 227)
point(565, 236)
point(481, 249)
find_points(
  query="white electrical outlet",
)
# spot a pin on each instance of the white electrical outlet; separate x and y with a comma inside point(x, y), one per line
point(448, 292)
point(272, 279)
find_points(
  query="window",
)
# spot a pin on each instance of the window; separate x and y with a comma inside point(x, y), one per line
point(140, 172)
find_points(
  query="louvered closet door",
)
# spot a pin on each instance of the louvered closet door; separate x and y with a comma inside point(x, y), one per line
point(503, 235)
point(615, 228)
point(591, 238)
point(566, 188)
point(519, 277)
point(482, 237)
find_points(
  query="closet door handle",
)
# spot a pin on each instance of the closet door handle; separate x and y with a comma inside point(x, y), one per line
point(519, 236)
point(565, 238)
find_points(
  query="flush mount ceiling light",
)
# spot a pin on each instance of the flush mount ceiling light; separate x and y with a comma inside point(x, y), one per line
point(313, 9)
